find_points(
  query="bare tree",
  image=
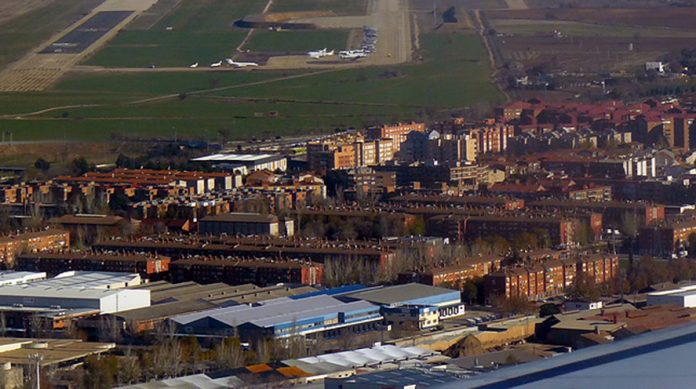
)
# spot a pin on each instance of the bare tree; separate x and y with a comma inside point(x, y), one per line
point(346, 339)
point(164, 331)
point(167, 358)
point(229, 354)
point(109, 329)
point(264, 350)
point(129, 371)
point(38, 326)
point(3, 324)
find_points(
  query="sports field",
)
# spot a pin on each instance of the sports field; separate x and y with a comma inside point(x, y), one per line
point(186, 32)
point(200, 104)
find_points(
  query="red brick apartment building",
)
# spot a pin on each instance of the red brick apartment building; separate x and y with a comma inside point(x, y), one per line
point(12, 245)
point(236, 271)
point(454, 275)
point(613, 212)
point(492, 138)
point(475, 202)
point(256, 247)
point(665, 239)
point(198, 182)
point(353, 150)
point(397, 132)
point(153, 267)
point(551, 278)
point(560, 230)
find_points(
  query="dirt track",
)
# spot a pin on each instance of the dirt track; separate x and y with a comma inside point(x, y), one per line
point(516, 4)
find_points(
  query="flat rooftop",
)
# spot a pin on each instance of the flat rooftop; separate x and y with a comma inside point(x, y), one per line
point(276, 311)
point(238, 158)
point(400, 293)
point(54, 351)
point(9, 275)
point(400, 378)
point(659, 359)
point(98, 220)
point(33, 290)
point(89, 280)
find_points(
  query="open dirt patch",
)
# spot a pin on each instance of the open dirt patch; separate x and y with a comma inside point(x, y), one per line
point(10, 9)
point(285, 16)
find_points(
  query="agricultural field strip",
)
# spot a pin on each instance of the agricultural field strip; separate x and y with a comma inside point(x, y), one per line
point(164, 96)
point(37, 71)
point(187, 32)
point(532, 26)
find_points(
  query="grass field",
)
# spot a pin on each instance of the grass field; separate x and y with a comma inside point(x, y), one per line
point(200, 31)
point(256, 103)
point(297, 41)
point(21, 34)
point(341, 7)
point(532, 27)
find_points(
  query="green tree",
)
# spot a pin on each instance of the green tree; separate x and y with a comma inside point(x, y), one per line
point(80, 166)
point(42, 165)
point(125, 161)
point(100, 371)
point(584, 288)
point(549, 309)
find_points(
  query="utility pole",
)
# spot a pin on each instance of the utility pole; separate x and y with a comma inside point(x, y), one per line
point(36, 359)
point(434, 13)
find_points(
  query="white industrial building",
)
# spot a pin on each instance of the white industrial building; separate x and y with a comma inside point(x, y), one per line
point(106, 292)
point(20, 277)
point(245, 163)
point(684, 297)
point(104, 300)
point(92, 280)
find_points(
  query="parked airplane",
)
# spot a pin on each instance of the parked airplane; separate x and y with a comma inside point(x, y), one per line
point(240, 64)
point(193, 66)
point(352, 54)
point(216, 64)
point(320, 53)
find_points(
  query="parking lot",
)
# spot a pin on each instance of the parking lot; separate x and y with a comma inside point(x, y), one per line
point(471, 319)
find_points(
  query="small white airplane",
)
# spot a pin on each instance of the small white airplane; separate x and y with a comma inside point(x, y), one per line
point(240, 64)
point(352, 54)
point(193, 66)
point(320, 53)
point(216, 64)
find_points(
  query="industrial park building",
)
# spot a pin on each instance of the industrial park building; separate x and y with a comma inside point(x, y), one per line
point(446, 302)
point(311, 316)
point(245, 163)
point(101, 300)
point(684, 297)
